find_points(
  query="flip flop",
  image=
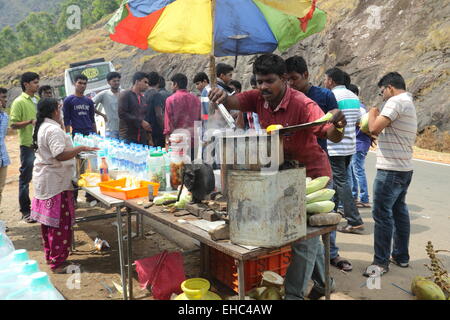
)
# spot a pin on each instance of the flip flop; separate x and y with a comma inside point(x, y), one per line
point(342, 264)
point(363, 205)
point(351, 229)
point(62, 269)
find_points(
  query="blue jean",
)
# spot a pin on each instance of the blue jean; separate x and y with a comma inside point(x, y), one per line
point(339, 166)
point(26, 174)
point(307, 262)
point(391, 216)
point(358, 177)
point(112, 134)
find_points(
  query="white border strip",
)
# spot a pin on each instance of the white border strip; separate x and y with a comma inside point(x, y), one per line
point(426, 161)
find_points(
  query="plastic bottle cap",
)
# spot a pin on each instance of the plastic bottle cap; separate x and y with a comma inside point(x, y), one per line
point(20, 255)
point(156, 154)
point(39, 279)
point(29, 267)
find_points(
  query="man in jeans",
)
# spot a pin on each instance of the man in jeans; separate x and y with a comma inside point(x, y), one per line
point(357, 171)
point(340, 153)
point(298, 76)
point(23, 118)
point(396, 127)
point(275, 102)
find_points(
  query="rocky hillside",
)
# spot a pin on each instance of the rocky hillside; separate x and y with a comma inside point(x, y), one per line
point(366, 38)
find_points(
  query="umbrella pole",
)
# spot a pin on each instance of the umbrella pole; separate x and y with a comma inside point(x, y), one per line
point(212, 109)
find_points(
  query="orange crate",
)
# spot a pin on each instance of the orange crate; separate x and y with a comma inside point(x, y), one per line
point(223, 268)
point(112, 188)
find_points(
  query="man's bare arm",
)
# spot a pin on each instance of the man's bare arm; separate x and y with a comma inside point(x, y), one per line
point(218, 96)
point(22, 124)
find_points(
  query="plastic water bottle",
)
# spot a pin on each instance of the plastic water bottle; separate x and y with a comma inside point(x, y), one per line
point(17, 277)
point(39, 288)
point(14, 257)
point(6, 246)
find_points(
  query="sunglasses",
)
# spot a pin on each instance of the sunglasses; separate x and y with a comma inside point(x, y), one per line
point(382, 91)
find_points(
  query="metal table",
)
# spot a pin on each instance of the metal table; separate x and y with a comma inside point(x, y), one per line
point(240, 254)
point(110, 203)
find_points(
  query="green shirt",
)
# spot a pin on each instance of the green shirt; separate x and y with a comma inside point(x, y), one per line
point(24, 109)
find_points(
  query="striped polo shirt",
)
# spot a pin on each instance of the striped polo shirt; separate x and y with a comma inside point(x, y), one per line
point(395, 142)
point(349, 104)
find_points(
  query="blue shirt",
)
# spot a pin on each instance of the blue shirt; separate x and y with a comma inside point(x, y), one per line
point(4, 158)
point(79, 113)
point(363, 141)
point(326, 101)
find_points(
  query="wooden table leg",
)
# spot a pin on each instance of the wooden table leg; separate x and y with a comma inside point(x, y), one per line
point(204, 261)
point(141, 225)
point(121, 257)
point(241, 278)
point(73, 240)
point(326, 241)
point(129, 253)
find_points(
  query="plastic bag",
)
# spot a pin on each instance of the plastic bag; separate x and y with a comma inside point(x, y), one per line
point(162, 273)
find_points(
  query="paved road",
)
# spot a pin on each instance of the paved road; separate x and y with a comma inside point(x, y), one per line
point(429, 202)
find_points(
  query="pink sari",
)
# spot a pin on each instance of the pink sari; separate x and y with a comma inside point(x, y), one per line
point(57, 216)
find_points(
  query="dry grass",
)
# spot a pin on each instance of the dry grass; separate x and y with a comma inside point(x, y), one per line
point(438, 38)
point(433, 139)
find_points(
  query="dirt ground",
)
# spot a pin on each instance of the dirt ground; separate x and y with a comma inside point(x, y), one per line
point(100, 270)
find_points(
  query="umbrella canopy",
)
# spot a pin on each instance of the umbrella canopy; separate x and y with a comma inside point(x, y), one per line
point(241, 27)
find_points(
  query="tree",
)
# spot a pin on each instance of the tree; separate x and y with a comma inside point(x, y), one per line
point(9, 46)
point(37, 33)
point(102, 8)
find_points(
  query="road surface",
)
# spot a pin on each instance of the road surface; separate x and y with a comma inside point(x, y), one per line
point(428, 199)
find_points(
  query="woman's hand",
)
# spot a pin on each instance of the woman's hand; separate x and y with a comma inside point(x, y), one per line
point(87, 149)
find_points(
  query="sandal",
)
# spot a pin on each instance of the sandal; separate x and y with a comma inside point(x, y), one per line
point(375, 271)
point(351, 229)
point(341, 264)
point(62, 269)
point(363, 205)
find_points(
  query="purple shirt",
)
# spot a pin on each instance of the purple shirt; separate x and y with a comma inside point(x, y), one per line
point(362, 140)
point(79, 114)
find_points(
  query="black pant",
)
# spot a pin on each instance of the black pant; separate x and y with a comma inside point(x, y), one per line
point(26, 174)
point(339, 165)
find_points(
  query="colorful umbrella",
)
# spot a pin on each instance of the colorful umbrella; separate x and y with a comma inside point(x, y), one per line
point(241, 27)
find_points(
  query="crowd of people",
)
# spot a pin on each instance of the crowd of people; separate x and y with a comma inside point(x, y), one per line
point(281, 93)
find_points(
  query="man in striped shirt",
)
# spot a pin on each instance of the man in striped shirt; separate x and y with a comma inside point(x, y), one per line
point(340, 153)
point(396, 127)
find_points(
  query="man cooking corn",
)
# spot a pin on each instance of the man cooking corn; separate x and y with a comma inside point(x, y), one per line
point(276, 103)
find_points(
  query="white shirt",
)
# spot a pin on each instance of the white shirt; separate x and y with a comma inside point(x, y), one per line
point(50, 176)
point(396, 141)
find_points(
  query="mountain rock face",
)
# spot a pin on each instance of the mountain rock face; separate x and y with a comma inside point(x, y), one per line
point(14, 11)
point(366, 38)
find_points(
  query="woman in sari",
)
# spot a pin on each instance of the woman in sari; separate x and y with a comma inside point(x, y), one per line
point(53, 204)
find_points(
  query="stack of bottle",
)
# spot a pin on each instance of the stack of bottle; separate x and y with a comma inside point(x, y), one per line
point(133, 161)
point(20, 277)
